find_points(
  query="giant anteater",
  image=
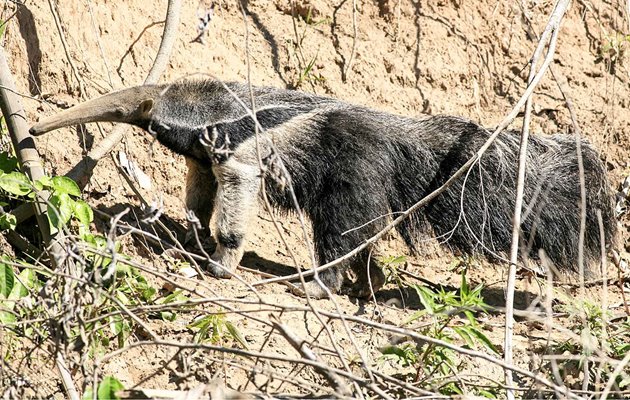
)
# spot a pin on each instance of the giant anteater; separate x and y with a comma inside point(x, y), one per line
point(348, 165)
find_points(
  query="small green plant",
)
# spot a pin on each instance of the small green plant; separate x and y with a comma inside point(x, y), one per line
point(13, 185)
point(612, 52)
point(406, 354)
point(390, 266)
point(432, 364)
point(176, 296)
point(593, 336)
point(13, 288)
point(296, 46)
point(130, 288)
point(215, 328)
point(65, 204)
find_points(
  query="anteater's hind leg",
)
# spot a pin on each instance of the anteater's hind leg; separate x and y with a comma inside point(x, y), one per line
point(369, 273)
point(331, 278)
point(339, 217)
point(363, 265)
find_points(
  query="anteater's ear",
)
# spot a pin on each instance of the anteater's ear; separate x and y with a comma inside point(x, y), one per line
point(146, 107)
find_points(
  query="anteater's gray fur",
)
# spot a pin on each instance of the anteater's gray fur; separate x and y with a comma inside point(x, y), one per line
point(350, 164)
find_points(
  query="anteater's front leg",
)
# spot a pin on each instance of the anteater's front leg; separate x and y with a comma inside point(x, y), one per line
point(235, 208)
point(201, 189)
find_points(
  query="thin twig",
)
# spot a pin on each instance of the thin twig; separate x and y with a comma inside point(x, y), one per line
point(553, 27)
point(64, 44)
point(100, 45)
point(66, 377)
point(302, 347)
point(355, 29)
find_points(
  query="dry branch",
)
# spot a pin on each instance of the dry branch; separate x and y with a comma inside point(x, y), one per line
point(25, 150)
point(305, 351)
point(66, 378)
point(553, 26)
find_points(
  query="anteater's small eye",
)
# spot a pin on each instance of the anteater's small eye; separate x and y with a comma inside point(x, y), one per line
point(119, 112)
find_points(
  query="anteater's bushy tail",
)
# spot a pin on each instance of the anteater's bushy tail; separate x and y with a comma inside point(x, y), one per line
point(475, 214)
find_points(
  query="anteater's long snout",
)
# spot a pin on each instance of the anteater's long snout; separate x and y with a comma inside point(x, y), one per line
point(131, 106)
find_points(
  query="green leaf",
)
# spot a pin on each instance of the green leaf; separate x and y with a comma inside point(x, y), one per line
point(471, 317)
point(464, 334)
point(118, 325)
point(88, 394)
point(201, 322)
point(15, 183)
point(395, 350)
point(464, 290)
point(123, 297)
point(177, 295)
point(147, 292)
point(44, 181)
point(108, 387)
point(8, 221)
point(7, 318)
point(622, 349)
point(414, 317)
point(486, 393)
point(27, 279)
point(60, 208)
point(7, 279)
point(426, 298)
point(406, 354)
point(394, 260)
point(83, 212)
point(8, 163)
point(63, 184)
point(483, 339)
point(234, 332)
point(168, 316)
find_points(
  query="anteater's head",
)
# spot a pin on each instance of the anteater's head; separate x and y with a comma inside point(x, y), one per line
point(175, 113)
point(132, 106)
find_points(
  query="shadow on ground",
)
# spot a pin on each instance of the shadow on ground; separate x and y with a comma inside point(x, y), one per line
point(493, 296)
point(160, 237)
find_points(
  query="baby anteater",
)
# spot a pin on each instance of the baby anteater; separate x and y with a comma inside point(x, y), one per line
point(349, 166)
